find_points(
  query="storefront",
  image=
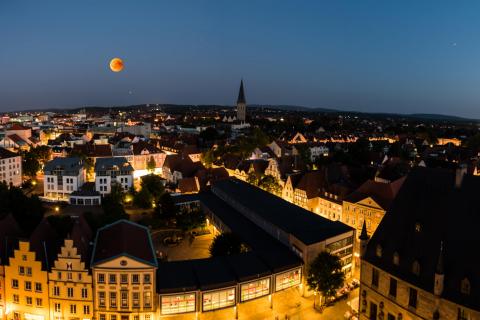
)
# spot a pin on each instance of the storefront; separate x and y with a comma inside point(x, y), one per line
point(218, 299)
point(178, 303)
point(288, 279)
point(254, 289)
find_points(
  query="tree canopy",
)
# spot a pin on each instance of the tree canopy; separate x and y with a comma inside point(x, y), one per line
point(325, 274)
point(226, 244)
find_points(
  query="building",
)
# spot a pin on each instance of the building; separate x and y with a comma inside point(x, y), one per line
point(10, 167)
point(62, 176)
point(420, 262)
point(124, 266)
point(368, 204)
point(70, 285)
point(241, 104)
point(109, 171)
point(302, 231)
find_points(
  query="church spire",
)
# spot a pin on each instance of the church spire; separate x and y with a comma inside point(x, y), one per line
point(363, 234)
point(241, 94)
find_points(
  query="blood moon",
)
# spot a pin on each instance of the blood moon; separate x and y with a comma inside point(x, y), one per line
point(116, 64)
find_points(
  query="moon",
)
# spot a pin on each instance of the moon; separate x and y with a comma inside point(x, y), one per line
point(116, 64)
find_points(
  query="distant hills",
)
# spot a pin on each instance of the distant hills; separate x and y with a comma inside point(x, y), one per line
point(293, 108)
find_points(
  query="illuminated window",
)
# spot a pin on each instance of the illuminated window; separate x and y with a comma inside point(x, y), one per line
point(465, 286)
point(136, 299)
point(416, 268)
point(287, 279)
point(378, 251)
point(147, 299)
point(38, 287)
point(396, 259)
point(218, 299)
point(254, 289)
point(101, 299)
point(173, 304)
point(58, 307)
point(101, 278)
point(124, 299)
point(113, 299)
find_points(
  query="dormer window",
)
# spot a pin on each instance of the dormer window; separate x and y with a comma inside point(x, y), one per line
point(418, 227)
point(416, 268)
point(396, 258)
point(378, 251)
point(465, 286)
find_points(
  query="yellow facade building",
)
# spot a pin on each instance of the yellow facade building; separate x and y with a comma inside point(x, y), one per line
point(123, 273)
point(70, 286)
point(26, 285)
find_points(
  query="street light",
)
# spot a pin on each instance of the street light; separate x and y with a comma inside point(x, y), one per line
point(57, 208)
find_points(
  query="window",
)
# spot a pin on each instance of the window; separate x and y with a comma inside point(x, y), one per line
point(84, 293)
point(218, 299)
point(146, 278)
point(38, 287)
point(254, 289)
point(375, 277)
point(16, 298)
point(112, 278)
point(465, 287)
point(21, 271)
point(113, 317)
point(28, 285)
point(102, 316)
point(14, 283)
point(373, 311)
point(73, 308)
point(124, 278)
point(287, 279)
point(70, 292)
point(135, 278)
point(113, 299)
point(29, 271)
point(59, 275)
point(86, 309)
point(393, 288)
point(101, 278)
point(38, 302)
point(101, 299)
point(416, 268)
point(147, 299)
point(462, 314)
point(173, 304)
point(378, 251)
point(390, 317)
point(136, 299)
point(396, 259)
point(124, 299)
point(412, 298)
point(58, 307)
point(28, 301)
point(56, 291)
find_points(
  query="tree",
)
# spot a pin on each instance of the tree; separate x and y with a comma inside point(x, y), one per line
point(154, 184)
point(208, 158)
point(190, 219)
point(226, 244)
point(143, 199)
point(269, 183)
point(252, 178)
point(166, 207)
point(30, 165)
point(209, 134)
point(325, 274)
point(151, 164)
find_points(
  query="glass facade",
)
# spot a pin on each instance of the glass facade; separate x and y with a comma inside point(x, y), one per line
point(178, 303)
point(254, 289)
point(218, 299)
point(288, 279)
point(334, 246)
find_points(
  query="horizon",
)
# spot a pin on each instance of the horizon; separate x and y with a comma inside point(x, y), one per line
point(370, 57)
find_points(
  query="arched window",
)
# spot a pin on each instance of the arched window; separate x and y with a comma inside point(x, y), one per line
point(379, 251)
point(396, 258)
point(465, 286)
point(416, 268)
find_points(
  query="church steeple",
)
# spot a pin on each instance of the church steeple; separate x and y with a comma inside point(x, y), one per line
point(241, 94)
point(363, 239)
point(241, 104)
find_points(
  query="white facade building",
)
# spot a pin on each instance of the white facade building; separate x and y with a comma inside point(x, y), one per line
point(113, 170)
point(10, 167)
point(62, 177)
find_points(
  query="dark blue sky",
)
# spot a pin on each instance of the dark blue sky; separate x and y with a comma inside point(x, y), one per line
point(385, 56)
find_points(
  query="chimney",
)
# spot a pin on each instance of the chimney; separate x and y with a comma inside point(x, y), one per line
point(460, 172)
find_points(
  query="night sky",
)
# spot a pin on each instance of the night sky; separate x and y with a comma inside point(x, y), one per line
point(378, 56)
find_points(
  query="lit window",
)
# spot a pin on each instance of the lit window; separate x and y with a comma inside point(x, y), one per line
point(465, 286)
